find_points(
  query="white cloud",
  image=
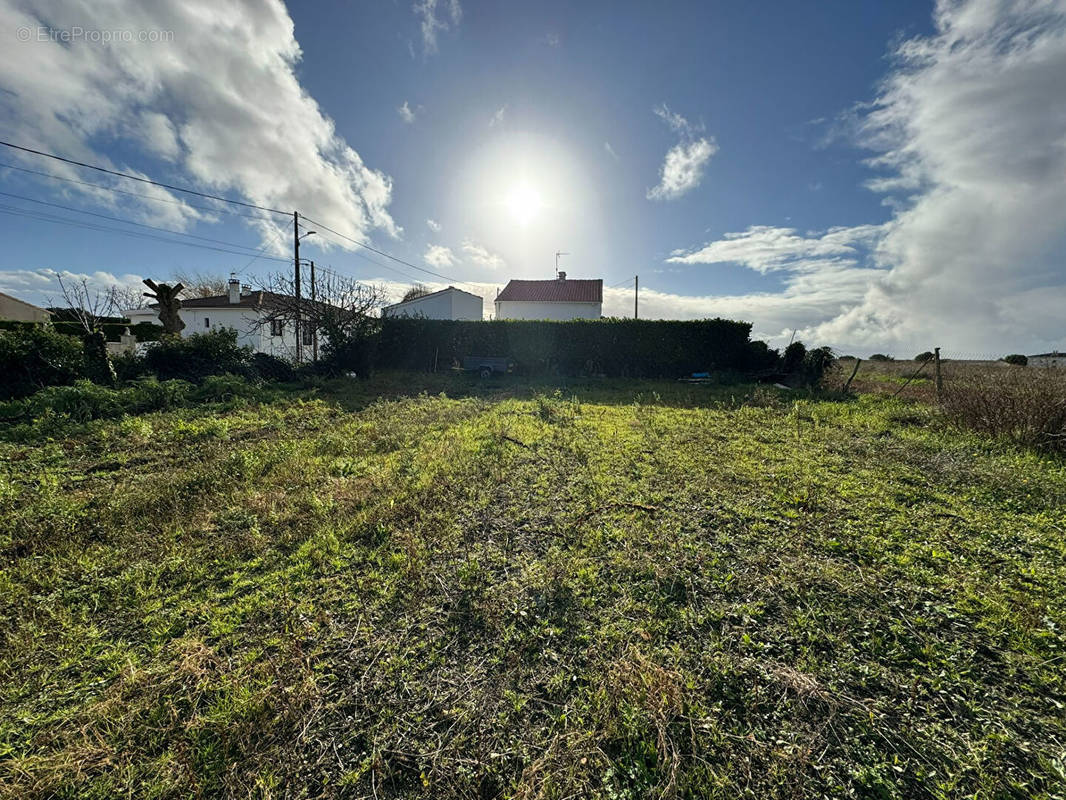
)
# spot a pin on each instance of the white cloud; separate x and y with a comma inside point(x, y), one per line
point(678, 124)
point(610, 150)
point(685, 162)
point(439, 256)
point(764, 248)
point(969, 128)
point(682, 169)
point(220, 101)
point(434, 226)
point(406, 113)
point(806, 300)
point(481, 256)
point(551, 39)
point(41, 286)
point(432, 20)
point(497, 117)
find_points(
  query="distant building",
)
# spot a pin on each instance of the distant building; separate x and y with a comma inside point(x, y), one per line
point(240, 309)
point(21, 311)
point(1055, 359)
point(450, 303)
point(560, 299)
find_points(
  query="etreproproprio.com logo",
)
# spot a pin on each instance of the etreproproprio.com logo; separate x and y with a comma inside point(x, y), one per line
point(44, 33)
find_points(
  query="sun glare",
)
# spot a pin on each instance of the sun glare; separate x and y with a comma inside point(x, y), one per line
point(524, 203)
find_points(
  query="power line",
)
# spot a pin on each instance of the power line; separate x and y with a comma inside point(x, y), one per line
point(44, 217)
point(383, 253)
point(122, 220)
point(142, 180)
point(623, 283)
point(172, 200)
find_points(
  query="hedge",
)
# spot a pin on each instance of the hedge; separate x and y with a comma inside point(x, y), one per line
point(616, 347)
point(144, 331)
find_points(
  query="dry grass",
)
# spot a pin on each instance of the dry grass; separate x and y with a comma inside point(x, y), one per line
point(1026, 405)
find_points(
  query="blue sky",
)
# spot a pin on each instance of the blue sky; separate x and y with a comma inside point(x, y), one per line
point(840, 168)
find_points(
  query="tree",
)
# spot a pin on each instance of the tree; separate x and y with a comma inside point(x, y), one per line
point(201, 284)
point(89, 307)
point(344, 315)
point(881, 357)
point(792, 361)
point(168, 298)
point(1016, 359)
point(923, 357)
point(416, 291)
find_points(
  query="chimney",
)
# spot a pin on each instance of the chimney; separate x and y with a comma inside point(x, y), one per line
point(562, 276)
point(234, 289)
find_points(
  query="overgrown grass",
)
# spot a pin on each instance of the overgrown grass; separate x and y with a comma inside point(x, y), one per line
point(613, 590)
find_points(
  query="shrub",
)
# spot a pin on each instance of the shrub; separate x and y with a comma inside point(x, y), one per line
point(221, 388)
point(34, 357)
point(272, 368)
point(923, 357)
point(792, 361)
point(1016, 359)
point(1026, 406)
point(816, 363)
point(195, 357)
point(81, 402)
point(881, 357)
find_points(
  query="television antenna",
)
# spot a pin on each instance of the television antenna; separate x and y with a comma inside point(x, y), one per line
point(557, 254)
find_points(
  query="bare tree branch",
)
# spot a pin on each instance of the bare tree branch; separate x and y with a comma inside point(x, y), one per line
point(89, 306)
point(345, 314)
point(201, 284)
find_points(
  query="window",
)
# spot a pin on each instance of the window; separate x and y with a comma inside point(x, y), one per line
point(207, 322)
point(277, 327)
point(309, 335)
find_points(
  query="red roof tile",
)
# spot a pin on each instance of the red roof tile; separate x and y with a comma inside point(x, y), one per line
point(558, 291)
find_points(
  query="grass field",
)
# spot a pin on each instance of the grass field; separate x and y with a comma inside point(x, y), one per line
point(616, 590)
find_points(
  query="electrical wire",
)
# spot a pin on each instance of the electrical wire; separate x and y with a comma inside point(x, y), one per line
point(398, 260)
point(122, 220)
point(171, 200)
point(44, 217)
point(142, 180)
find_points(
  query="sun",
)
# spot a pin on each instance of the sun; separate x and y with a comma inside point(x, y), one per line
point(524, 203)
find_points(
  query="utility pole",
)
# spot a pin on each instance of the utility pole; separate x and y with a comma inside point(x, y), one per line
point(636, 295)
point(296, 261)
point(314, 340)
point(557, 262)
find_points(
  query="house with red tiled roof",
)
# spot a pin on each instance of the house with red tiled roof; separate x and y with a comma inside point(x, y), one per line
point(559, 299)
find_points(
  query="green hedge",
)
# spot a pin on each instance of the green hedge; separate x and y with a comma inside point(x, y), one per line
point(144, 331)
point(617, 347)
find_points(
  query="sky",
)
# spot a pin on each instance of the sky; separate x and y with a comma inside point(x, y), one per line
point(865, 175)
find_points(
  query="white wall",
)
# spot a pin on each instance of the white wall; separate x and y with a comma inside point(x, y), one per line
point(449, 304)
point(242, 320)
point(525, 309)
point(467, 306)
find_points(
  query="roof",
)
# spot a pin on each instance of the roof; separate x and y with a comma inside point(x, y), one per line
point(559, 290)
point(257, 299)
point(250, 300)
point(431, 294)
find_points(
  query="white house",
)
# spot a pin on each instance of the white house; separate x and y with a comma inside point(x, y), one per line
point(560, 299)
point(450, 303)
point(241, 309)
point(1055, 359)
